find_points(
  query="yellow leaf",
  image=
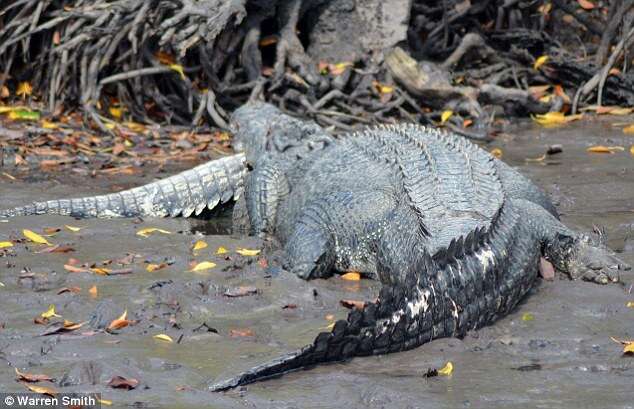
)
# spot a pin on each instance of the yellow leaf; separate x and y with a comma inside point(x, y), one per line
point(5, 244)
point(540, 61)
point(205, 265)
point(35, 238)
point(179, 69)
point(628, 348)
point(110, 125)
point(248, 252)
point(199, 245)
point(44, 390)
point(73, 228)
point(147, 231)
point(632, 149)
point(164, 337)
point(100, 271)
point(49, 125)
point(24, 114)
point(351, 276)
point(382, 89)
point(555, 118)
point(497, 152)
point(24, 89)
point(629, 129)
point(446, 370)
point(221, 250)
point(116, 112)
point(527, 316)
point(93, 291)
point(154, 267)
point(135, 126)
point(445, 116)
point(630, 304)
point(1, 284)
point(604, 149)
point(50, 312)
point(545, 99)
point(105, 402)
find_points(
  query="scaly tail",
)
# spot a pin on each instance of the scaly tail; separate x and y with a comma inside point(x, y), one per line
point(183, 194)
point(465, 286)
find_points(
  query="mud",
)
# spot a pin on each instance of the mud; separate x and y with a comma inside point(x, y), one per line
point(563, 357)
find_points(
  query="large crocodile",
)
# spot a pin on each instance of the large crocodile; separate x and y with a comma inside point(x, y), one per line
point(454, 235)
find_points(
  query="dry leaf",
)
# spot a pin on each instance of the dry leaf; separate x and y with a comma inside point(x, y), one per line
point(179, 69)
point(248, 252)
point(446, 370)
point(246, 332)
point(120, 322)
point(49, 125)
point(155, 267)
point(74, 290)
point(199, 245)
point(629, 129)
point(540, 61)
point(120, 382)
point(5, 244)
point(72, 269)
point(105, 402)
point(204, 265)
point(35, 238)
point(149, 230)
point(163, 337)
point(24, 89)
point(73, 228)
point(241, 291)
point(497, 152)
point(28, 377)
point(555, 118)
point(586, 4)
point(445, 116)
point(93, 291)
point(50, 312)
point(605, 149)
point(559, 91)
point(630, 304)
point(527, 316)
point(221, 250)
point(351, 276)
point(44, 390)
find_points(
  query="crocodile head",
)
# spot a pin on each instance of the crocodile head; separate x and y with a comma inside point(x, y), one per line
point(259, 128)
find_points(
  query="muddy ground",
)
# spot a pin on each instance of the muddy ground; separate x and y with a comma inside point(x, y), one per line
point(563, 357)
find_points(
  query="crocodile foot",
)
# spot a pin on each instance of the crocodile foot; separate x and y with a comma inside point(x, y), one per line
point(592, 261)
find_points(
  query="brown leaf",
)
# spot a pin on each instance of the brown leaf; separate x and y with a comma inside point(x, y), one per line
point(61, 327)
point(120, 322)
point(44, 390)
point(241, 291)
point(73, 269)
point(51, 230)
point(586, 4)
point(56, 249)
point(29, 377)
point(353, 304)
point(244, 332)
point(119, 382)
point(69, 290)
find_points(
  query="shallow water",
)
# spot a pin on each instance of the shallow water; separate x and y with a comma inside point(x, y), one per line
point(562, 358)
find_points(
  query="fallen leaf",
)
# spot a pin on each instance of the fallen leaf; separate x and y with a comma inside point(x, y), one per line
point(24, 114)
point(101, 271)
point(586, 4)
point(147, 231)
point(73, 228)
point(248, 252)
point(555, 118)
point(120, 382)
point(105, 402)
point(445, 116)
point(240, 291)
point(246, 332)
point(155, 267)
point(74, 290)
point(34, 237)
point(632, 150)
point(351, 276)
point(605, 149)
point(204, 265)
point(61, 327)
point(221, 250)
point(72, 269)
point(120, 322)
point(537, 159)
point(629, 129)
point(540, 61)
point(179, 69)
point(50, 231)
point(382, 89)
point(44, 390)
point(5, 244)
point(613, 110)
point(56, 249)
point(28, 377)
point(163, 337)
point(559, 91)
point(527, 316)
point(93, 291)
point(497, 152)
point(446, 370)
point(339, 68)
point(24, 89)
point(358, 305)
point(50, 312)
point(134, 127)
point(199, 245)
point(116, 112)
point(49, 125)
point(630, 304)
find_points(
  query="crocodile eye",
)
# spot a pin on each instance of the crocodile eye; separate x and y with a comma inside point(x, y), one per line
point(249, 166)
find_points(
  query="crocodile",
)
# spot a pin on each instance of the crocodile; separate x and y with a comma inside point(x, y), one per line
point(454, 235)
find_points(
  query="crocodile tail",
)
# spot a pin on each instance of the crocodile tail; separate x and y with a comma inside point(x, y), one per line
point(461, 287)
point(183, 194)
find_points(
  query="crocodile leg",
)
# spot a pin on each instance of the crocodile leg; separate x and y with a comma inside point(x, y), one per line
point(183, 194)
point(266, 187)
point(467, 285)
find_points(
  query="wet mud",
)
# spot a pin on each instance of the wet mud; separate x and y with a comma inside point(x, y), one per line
point(554, 350)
